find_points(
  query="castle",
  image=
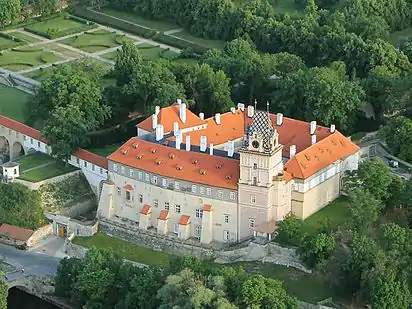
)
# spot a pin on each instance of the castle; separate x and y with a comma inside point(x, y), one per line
point(225, 178)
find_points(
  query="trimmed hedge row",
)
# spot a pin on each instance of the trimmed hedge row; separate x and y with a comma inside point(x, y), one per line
point(27, 50)
point(14, 41)
point(140, 31)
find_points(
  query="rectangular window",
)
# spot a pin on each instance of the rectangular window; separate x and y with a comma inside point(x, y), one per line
point(177, 209)
point(85, 163)
point(202, 190)
point(24, 137)
point(156, 203)
point(78, 161)
point(131, 172)
point(154, 180)
point(38, 144)
point(176, 228)
point(255, 166)
point(253, 199)
point(122, 169)
point(208, 191)
point(128, 195)
point(93, 167)
point(232, 195)
point(140, 175)
point(147, 177)
point(255, 181)
point(164, 182)
point(194, 190)
point(177, 186)
point(17, 134)
point(226, 218)
point(199, 213)
point(119, 191)
point(115, 167)
point(31, 140)
point(251, 223)
point(140, 198)
point(167, 206)
point(219, 193)
point(101, 170)
point(198, 230)
point(226, 235)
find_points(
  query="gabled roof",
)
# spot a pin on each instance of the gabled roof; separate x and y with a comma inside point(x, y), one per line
point(22, 128)
point(92, 158)
point(168, 116)
point(178, 164)
point(147, 209)
point(184, 220)
point(15, 232)
point(164, 215)
point(320, 155)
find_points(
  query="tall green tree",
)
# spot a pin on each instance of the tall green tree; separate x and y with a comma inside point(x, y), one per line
point(127, 59)
point(45, 7)
point(364, 209)
point(9, 11)
point(375, 176)
point(397, 134)
point(4, 292)
point(317, 249)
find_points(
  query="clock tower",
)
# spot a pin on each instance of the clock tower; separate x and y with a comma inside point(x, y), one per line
point(261, 183)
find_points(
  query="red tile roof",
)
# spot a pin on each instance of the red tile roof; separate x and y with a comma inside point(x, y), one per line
point(15, 232)
point(147, 209)
point(128, 187)
point(184, 220)
point(178, 164)
point(92, 158)
point(207, 207)
point(168, 116)
point(164, 215)
point(22, 128)
point(320, 155)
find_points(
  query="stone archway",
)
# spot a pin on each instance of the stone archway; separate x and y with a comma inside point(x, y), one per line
point(16, 151)
point(4, 150)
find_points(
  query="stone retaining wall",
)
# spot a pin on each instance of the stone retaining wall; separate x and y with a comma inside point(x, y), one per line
point(37, 185)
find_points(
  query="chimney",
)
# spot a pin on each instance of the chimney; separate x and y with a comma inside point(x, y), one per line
point(312, 127)
point(182, 112)
point(154, 121)
point(157, 110)
point(250, 111)
point(179, 101)
point(211, 149)
point(203, 143)
point(175, 128)
point(233, 110)
point(187, 142)
point(241, 106)
point(313, 138)
point(159, 132)
point(202, 116)
point(178, 140)
point(292, 151)
point(332, 128)
point(230, 148)
point(279, 119)
point(217, 118)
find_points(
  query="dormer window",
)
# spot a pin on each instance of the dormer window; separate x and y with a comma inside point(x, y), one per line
point(171, 156)
point(219, 166)
point(194, 161)
point(139, 157)
point(179, 167)
point(202, 172)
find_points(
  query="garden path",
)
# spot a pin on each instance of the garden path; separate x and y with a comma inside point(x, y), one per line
point(39, 166)
point(173, 31)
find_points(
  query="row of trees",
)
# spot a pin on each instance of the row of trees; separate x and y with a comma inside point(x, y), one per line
point(103, 280)
point(371, 252)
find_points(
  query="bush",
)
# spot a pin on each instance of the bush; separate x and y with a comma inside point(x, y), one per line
point(80, 20)
point(176, 42)
point(290, 231)
point(317, 249)
point(27, 50)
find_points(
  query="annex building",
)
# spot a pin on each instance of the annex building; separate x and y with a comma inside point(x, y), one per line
point(224, 178)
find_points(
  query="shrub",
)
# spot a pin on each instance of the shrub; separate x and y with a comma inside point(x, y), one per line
point(317, 249)
point(79, 20)
point(290, 231)
point(179, 43)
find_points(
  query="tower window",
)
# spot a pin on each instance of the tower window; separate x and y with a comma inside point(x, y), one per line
point(255, 181)
point(253, 199)
point(255, 166)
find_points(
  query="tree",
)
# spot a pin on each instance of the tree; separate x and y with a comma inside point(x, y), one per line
point(317, 249)
point(20, 206)
point(45, 7)
point(290, 231)
point(364, 209)
point(322, 94)
point(66, 277)
point(9, 11)
point(397, 195)
point(127, 59)
point(375, 177)
point(397, 134)
point(4, 292)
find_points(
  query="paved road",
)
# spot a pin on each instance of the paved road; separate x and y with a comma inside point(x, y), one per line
point(34, 263)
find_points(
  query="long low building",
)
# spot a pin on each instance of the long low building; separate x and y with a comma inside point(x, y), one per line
point(225, 178)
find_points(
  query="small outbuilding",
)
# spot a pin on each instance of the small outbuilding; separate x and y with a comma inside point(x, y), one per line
point(11, 171)
point(14, 235)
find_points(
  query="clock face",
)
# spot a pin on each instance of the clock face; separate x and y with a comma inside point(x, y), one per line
point(255, 144)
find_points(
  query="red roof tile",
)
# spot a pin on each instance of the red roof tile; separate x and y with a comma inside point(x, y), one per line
point(184, 220)
point(178, 164)
point(320, 155)
point(168, 116)
point(147, 209)
point(92, 158)
point(22, 128)
point(207, 207)
point(15, 232)
point(128, 187)
point(164, 215)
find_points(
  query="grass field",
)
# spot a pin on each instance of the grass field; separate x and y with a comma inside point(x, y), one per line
point(40, 74)
point(7, 43)
point(136, 19)
point(55, 168)
point(397, 37)
point(148, 52)
point(95, 41)
point(13, 102)
point(25, 37)
point(200, 41)
point(59, 25)
point(33, 160)
point(26, 58)
point(106, 150)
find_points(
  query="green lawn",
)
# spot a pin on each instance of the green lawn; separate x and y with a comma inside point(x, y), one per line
point(40, 74)
point(397, 37)
point(200, 41)
point(33, 160)
point(7, 43)
point(136, 19)
point(95, 41)
point(59, 25)
point(24, 37)
point(110, 56)
point(57, 168)
point(125, 249)
point(13, 102)
point(336, 214)
point(106, 150)
point(26, 58)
